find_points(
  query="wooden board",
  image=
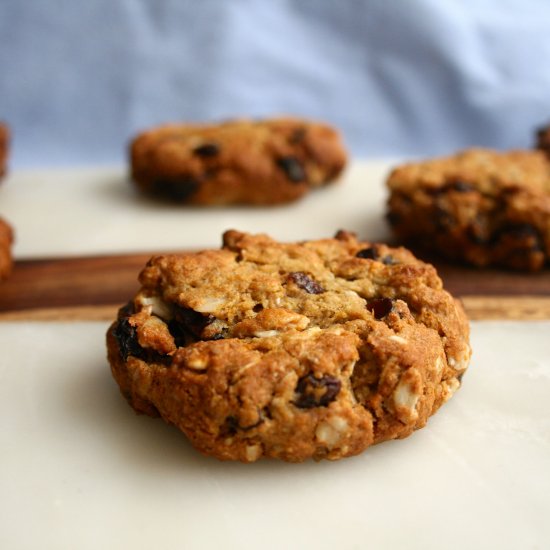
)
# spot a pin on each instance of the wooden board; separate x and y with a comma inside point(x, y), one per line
point(93, 287)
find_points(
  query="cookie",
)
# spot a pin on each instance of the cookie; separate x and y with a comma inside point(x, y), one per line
point(542, 138)
point(4, 146)
point(292, 351)
point(479, 206)
point(6, 240)
point(236, 162)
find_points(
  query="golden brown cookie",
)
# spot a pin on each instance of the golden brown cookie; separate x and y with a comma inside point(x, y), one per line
point(479, 206)
point(237, 162)
point(292, 351)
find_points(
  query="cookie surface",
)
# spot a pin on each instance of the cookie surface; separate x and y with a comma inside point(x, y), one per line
point(237, 162)
point(292, 351)
point(479, 206)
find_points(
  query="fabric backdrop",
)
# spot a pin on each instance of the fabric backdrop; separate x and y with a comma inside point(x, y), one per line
point(398, 77)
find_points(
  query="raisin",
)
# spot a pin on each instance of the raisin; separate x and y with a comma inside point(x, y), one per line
point(126, 310)
point(207, 150)
point(316, 392)
point(521, 231)
point(380, 307)
point(176, 189)
point(189, 326)
point(126, 335)
point(520, 235)
point(178, 333)
point(371, 253)
point(306, 283)
point(231, 426)
point(368, 253)
point(292, 168)
point(192, 321)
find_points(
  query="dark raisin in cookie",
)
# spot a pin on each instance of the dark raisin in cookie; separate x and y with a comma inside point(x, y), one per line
point(289, 351)
point(237, 162)
point(478, 206)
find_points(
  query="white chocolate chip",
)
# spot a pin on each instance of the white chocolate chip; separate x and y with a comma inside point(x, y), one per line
point(253, 452)
point(197, 363)
point(331, 431)
point(449, 388)
point(265, 333)
point(156, 306)
point(398, 339)
point(404, 397)
point(460, 363)
point(339, 423)
point(209, 305)
point(464, 359)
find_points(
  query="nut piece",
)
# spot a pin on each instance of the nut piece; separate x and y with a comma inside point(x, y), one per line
point(331, 432)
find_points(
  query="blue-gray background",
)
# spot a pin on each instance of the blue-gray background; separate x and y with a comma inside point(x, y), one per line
point(398, 77)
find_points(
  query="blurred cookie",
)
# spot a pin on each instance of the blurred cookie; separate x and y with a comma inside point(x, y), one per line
point(478, 206)
point(543, 139)
point(236, 162)
point(313, 350)
point(6, 240)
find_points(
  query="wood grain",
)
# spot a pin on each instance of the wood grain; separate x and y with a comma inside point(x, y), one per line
point(93, 287)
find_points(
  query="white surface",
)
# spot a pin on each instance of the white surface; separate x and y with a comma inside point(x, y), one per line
point(81, 470)
point(106, 214)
